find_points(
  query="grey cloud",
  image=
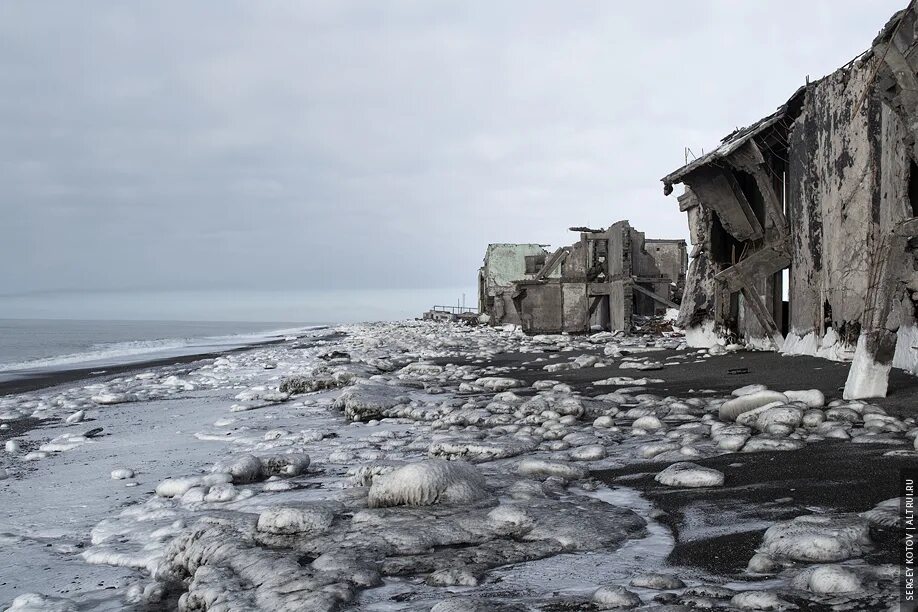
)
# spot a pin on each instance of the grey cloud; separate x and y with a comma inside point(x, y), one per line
point(180, 145)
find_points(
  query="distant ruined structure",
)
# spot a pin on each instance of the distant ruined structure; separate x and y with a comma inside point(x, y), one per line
point(821, 195)
point(600, 281)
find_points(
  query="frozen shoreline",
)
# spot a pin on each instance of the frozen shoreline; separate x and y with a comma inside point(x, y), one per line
point(425, 391)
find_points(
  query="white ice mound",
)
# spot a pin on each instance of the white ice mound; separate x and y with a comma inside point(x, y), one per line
point(34, 602)
point(615, 598)
point(687, 474)
point(886, 513)
point(541, 468)
point(434, 481)
point(818, 538)
point(748, 389)
point(176, 487)
point(249, 468)
point(313, 520)
point(813, 398)
point(779, 420)
point(731, 409)
point(497, 383)
point(658, 582)
point(827, 579)
point(367, 401)
point(760, 600)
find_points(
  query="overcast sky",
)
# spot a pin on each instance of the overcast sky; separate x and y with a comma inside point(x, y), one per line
point(341, 145)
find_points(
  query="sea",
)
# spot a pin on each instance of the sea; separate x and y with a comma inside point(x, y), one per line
point(30, 346)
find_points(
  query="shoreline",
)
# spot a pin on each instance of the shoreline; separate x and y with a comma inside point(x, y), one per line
point(37, 380)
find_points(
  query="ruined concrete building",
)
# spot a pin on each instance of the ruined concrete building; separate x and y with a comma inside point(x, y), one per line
point(504, 264)
point(821, 197)
point(600, 281)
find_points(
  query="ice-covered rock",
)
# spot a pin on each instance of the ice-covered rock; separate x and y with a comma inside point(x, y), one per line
point(647, 422)
point(615, 598)
point(687, 474)
point(760, 600)
point(887, 513)
point(818, 538)
point(813, 398)
point(590, 452)
point(243, 469)
point(761, 563)
point(658, 582)
point(748, 390)
point(827, 579)
point(176, 487)
point(363, 402)
point(76, 417)
point(433, 481)
point(543, 468)
point(766, 443)
point(35, 602)
point(779, 420)
point(122, 474)
point(498, 383)
point(311, 520)
point(731, 409)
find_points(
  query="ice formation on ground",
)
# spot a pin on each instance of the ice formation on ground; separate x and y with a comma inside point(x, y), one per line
point(407, 455)
point(687, 474)
point(428, 482)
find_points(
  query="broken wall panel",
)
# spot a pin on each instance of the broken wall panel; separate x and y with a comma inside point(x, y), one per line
point(847, 187)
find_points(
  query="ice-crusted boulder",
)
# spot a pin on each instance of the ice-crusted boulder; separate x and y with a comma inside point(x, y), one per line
point(687, 474)
point(309, 519)
point(433, 481)
point(779, 420)
point(368, 401)
point(480, 450)
point(176, 487)
point(813, 398)
point(249, 468)
point(760, 600)
point(731, 409)
point(34, 602)
point(615, 598)
point(218, 568)
point(543, 468)
point(886, 513)
point(827, 579)
point(318, 382)
point(497, 383)
point(818, 538)
point(658, 582)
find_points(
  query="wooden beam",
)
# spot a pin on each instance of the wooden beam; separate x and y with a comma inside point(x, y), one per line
point(653, 295)
point(754, 300)
point(596, 301)
point(553, 260)
point(763, 263)
point(907, 228)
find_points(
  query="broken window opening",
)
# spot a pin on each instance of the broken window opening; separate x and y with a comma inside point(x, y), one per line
point(534, 263)
point(750, 189)
point(725, 249)
point(913, 187)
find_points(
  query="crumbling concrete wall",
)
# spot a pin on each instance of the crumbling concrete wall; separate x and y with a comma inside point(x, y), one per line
point(670, 257)
point(504, 264)
point(847, 187)
point(540, 307)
